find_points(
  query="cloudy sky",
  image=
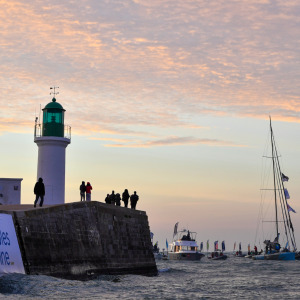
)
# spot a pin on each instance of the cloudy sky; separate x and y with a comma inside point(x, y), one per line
point(168, 98)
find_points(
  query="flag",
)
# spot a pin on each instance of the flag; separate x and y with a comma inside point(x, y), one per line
point(284, 178)
point(286, 194)
point(167, 244)
point(207, 245)
point(234, 246)
point(290, 209)
point(223, 246)
point(175, 229)
point(201, 246)
point(216, 245)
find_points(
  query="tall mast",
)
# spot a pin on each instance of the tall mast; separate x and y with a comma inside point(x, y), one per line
point(274, 177)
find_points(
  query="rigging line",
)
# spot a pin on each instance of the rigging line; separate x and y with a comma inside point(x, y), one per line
point(281, 194)
point(283, 202)
point(270, 189)
point(282, 206)
point(286, 212)
point(275, 194)
point(273, 221)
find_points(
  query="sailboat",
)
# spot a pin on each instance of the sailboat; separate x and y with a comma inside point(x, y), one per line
point(282, 225)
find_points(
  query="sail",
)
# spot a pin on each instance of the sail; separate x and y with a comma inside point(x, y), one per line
point(175, 229)
point(216, 245)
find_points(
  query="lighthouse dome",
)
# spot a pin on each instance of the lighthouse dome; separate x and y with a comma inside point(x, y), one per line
point(54, 105)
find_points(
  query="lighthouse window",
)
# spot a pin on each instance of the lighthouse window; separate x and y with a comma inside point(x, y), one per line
point(16, 187)
point(1, 195)
point(54, 116)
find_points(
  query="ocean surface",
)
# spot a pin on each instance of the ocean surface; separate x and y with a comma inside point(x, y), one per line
point(234, 278)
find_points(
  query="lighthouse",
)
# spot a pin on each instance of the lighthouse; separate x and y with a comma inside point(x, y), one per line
point(52, 138)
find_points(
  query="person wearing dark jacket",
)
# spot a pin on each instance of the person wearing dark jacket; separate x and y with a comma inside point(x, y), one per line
point(118, 199)
point(133, 200)
point(125, 197)
point(107, 199)
point(112, 198)
point(82, 189)
point(39, 191)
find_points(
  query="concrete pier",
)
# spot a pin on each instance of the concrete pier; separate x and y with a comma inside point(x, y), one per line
point(83, 239)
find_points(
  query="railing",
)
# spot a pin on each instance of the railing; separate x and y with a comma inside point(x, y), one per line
point(38, 131)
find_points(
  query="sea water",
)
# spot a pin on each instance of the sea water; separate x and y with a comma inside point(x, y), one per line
point(234, 278)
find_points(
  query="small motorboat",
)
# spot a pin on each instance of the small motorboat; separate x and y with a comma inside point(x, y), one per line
point(216, 255)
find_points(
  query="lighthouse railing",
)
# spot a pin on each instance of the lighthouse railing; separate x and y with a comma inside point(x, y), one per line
point(38, 131)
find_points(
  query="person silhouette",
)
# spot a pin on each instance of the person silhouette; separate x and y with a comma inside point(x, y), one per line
point(133, 200)
point(39, 191)
point(88, 191)
point(82, 189)
point(118, 199)
point(125, 197)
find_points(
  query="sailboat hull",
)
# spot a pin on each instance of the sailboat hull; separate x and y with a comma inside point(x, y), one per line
point(276, 256)
point(281, 256)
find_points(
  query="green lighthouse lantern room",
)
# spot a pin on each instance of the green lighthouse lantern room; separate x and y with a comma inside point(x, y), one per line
point(53, 119)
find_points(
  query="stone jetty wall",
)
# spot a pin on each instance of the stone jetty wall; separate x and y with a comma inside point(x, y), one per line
point(84, 239)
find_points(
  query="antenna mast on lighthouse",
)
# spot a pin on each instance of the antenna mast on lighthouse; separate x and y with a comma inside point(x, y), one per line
point(54, 93)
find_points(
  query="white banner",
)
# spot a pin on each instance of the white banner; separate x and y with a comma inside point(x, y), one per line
point(10, 255)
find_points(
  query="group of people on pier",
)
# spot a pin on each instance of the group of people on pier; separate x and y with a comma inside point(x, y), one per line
point(115, 199)
point(85, 195)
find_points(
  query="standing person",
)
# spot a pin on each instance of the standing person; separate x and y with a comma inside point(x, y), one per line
point(82, 189)
point(118, 199)
point(125, 197)
point(112, 198)
point(107, 199)
point(88, 191)
point(134, 198)
point(39, 191)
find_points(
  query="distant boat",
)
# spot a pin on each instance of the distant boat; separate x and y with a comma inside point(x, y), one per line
point(184, 245)
point(218, 254)
point(155, 249)
point(273, 249)
point(240, 253)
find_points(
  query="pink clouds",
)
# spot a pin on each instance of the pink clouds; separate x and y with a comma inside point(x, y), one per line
point(162, 62)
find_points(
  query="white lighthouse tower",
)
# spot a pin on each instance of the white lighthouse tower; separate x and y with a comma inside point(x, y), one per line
point(52, 138)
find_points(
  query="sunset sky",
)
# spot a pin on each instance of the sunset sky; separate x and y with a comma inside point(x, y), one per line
point(168, 98)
